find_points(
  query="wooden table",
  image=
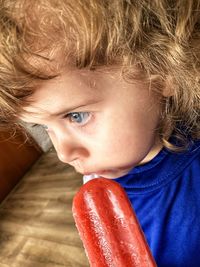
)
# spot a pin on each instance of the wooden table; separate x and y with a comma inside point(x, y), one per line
point(36, 224)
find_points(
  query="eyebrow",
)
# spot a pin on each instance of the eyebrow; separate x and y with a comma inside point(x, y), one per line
point(83, 103)
point(77, 106)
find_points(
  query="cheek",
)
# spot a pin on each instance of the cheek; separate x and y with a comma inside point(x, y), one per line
point(121, 148)
point(127, 141)
point(128, 144)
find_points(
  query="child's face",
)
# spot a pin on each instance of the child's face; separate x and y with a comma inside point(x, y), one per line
point(97, 122)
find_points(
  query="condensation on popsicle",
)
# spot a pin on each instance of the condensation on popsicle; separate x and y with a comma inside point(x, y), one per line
point(108, 227)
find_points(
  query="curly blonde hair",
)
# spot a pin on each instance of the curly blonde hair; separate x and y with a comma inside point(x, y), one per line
point(161, 38)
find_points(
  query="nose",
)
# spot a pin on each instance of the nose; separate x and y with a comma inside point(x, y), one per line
point(70, 154)
point(69, 150)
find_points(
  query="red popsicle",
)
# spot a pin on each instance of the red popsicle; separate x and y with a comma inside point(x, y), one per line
point(108, 226)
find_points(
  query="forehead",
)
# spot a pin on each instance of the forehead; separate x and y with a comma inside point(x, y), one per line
point(69, 89)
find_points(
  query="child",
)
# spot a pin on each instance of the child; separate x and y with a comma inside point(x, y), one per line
point(116, 86)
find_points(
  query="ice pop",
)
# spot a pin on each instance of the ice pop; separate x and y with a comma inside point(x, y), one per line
point(108, 227)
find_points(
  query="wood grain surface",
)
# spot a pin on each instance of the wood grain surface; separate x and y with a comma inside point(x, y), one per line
point(36, 224)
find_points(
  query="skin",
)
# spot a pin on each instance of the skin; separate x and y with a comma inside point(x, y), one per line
point(98, 122)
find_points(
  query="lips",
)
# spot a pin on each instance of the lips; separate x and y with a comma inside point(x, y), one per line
point(108, 172)
point(113, 172)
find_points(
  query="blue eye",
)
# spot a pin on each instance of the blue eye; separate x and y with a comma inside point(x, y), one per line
point(79, 117)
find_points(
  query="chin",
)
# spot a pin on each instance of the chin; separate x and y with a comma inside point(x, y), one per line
point(112, 175)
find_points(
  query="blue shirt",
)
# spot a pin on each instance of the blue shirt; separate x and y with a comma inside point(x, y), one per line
point(165, 194)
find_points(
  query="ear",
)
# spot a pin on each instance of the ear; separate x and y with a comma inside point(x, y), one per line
point(165, 87)
point(168, 88)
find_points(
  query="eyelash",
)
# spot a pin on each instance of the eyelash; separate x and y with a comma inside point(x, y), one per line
point(70, 117)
